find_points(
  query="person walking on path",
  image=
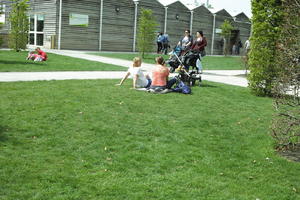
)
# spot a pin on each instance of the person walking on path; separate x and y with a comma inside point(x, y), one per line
point(247, 46)
point(165, 43)
point(159, 42)
point(239, 46)
point(199, 47)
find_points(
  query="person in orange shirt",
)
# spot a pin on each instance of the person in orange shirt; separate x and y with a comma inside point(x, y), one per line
point(160, 76)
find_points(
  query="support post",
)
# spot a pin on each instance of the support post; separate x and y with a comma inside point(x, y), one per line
point(166, 20)
point(101, 24)
point(135, 25)
point(213, 36)
point(59, 25)
point(191, 22)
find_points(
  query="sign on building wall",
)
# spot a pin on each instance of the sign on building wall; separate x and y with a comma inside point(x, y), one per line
point(78, 20)
point(218, 30)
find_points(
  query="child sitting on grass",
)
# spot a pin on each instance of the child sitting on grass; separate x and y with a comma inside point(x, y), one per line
point(31, 56)
point(39, 57)
point(139, 79)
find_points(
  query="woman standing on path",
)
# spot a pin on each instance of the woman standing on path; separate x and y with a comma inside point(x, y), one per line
point(198, 47)
point(186, 41)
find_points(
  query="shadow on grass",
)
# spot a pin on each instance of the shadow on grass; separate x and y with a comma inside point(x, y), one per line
point(6, 62)
point(3, 130)
point(208, 85)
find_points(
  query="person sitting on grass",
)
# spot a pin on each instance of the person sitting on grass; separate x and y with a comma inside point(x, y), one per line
point(42, 56)
point(37, 57)
point(139, 79)
point(31, 56)
point(160, 75)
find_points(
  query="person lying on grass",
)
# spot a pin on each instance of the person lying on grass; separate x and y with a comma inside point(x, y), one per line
point(160, 75)
point(139, 79)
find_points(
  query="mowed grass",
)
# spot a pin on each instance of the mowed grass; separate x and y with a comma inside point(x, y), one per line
point(93, 140)
point(11, 61)
point(209, 62)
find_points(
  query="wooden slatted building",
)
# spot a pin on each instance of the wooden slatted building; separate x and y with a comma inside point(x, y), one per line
point(80, 24)
point(178, 20)
point(220, 17)
point(243, 24)
point(111, 25)
point(118, 25)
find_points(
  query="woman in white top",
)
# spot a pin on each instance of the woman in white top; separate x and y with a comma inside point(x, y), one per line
point(139, 79)
point(186, 41)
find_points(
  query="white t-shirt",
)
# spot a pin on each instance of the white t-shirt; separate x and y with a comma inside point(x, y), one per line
point(247, 44)
point(185, 41)
point(141, 81)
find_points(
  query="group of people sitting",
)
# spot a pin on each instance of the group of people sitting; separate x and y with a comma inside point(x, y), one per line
point(38, 55)
point(160, 76)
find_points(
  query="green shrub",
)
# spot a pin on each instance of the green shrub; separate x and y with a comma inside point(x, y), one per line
point(226, 33)
point(266, 22)
point(286, 123)
point(146, 31)
point(19, 22)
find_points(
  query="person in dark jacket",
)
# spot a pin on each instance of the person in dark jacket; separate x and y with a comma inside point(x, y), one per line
point(159, 42)
point(200, 43)
point(197, 50)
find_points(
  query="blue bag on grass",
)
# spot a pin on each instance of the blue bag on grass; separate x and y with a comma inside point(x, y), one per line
point(182, 88)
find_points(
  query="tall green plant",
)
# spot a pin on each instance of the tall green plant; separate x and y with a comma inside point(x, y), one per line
point(146, 32)
point(18, 18)
point(226, 33)
point(266, 22)
point(286, 123)
point(1, 24)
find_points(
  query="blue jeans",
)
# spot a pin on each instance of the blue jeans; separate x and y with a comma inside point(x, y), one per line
point(169, 85)
point(149, 83)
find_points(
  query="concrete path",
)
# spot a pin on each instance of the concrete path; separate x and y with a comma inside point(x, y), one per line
point(81, 75)
point(221, 76)
point(48, 76)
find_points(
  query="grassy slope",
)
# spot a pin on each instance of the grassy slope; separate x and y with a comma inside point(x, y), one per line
point(209, 62)
point(11, 61)
point(93, 140)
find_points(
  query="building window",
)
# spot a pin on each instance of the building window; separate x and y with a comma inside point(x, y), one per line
point(2, 14)
point(36, 30)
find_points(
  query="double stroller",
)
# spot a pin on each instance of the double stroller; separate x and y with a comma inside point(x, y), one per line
point(182, 62)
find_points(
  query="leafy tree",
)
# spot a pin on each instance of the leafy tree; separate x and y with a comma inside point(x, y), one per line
point(1, 24)
point(226, 33)
point(146, 32)
point(18, 18)
point(266, 22)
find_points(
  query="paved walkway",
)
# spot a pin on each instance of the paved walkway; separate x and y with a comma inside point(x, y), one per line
point(221, 76)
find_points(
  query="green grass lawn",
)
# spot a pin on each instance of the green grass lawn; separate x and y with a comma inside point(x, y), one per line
point(209, 62)
point(93, 140)
point(11, 61)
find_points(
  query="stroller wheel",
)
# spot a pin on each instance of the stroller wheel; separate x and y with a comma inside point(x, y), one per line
point(193, 82)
